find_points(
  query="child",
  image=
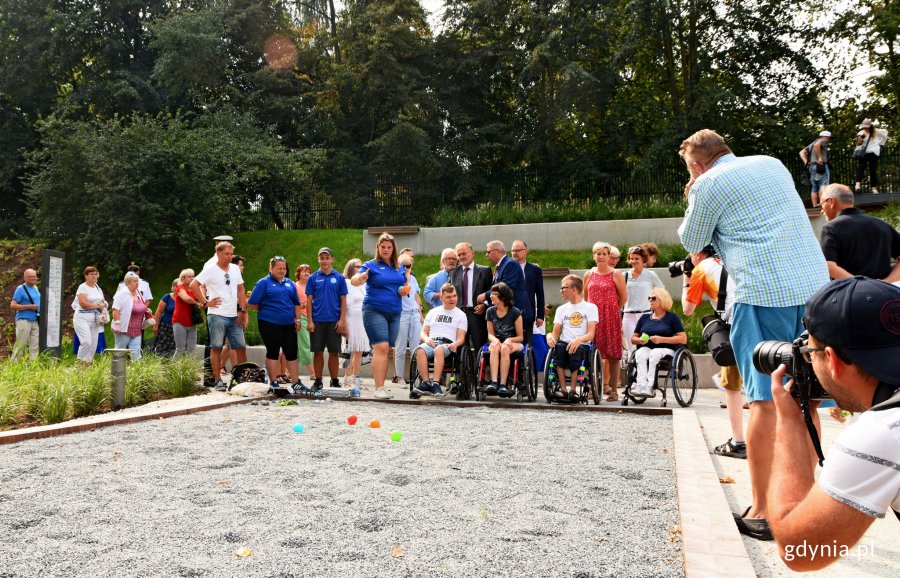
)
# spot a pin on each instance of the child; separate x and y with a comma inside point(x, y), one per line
point(444, 332)
point(573, 326)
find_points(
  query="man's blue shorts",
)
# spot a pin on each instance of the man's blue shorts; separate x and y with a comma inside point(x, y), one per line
point(219, 326)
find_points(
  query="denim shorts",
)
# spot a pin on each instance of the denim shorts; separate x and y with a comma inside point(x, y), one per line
point(429, 350)
point(752, 324)
point(381, 327)
point(219, 327)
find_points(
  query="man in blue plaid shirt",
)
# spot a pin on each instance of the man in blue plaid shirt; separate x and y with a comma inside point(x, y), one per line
point(749, 210)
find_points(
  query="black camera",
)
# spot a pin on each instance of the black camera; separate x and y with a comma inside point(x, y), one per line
point(768, 355)
point(679, 268)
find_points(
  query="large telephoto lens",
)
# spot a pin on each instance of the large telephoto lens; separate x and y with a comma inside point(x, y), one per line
point(768, 355)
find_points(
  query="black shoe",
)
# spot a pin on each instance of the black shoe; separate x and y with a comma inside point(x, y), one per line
point(335, 383)
point(491, 389)
point(503, 391)
point(317, 385)
point(757, 528)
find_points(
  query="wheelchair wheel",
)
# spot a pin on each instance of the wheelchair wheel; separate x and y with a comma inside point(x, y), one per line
point(683, 375)
point(466, 366)
point(414, 378)
point(596, 376)
point(481, 370)
point(551, 379)
point(630, 380)
point(530, 375)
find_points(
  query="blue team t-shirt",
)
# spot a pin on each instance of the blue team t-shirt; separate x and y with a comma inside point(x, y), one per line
point(326, 291)
point(668, 326)
point(383, 285)
point(20, 297)
point(276, 300)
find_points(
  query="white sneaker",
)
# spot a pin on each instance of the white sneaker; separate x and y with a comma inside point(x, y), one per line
point(717, 381)
point(383, 393)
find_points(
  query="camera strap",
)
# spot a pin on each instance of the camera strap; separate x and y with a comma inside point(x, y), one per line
point(723, 289)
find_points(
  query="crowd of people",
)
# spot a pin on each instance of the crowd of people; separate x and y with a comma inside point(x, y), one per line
point(753, 251)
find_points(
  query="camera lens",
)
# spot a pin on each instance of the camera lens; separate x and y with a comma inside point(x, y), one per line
point(768, 355)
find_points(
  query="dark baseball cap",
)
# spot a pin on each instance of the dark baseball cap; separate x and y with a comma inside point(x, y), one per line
point(325, 250)
point(861, 317)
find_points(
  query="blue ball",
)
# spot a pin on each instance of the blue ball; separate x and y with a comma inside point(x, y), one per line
point(298, 428)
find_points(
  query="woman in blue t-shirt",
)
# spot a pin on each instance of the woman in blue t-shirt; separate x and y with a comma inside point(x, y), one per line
point(278, 317)
point(655, 333)
point(164, 342)
point(387, 282)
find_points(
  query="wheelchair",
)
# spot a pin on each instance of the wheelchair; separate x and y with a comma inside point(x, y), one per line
point(522, 376)
point(590, 378)
point(678, 371)
point(457, 376)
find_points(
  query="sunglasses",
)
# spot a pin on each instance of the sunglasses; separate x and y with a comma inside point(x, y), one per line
point(635, 250)
point(227, 279)
point(651, 298)
point(276, 259)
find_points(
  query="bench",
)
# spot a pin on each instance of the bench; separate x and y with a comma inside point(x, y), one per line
point(398, 230)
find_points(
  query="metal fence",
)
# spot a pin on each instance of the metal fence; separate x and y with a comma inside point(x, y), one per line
point(413, 202)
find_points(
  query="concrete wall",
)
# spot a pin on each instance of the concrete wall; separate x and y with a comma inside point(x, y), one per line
point(567, 236)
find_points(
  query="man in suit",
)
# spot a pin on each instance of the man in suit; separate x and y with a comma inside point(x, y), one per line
point(506, 271)
point(471, 280)
point(534, 287)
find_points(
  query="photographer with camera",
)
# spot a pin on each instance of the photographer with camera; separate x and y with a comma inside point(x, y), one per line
point(748, 208)
point(709, 277)
point(853, 349)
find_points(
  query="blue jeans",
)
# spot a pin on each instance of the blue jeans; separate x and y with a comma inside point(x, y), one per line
point(219, 327)
point(381, 327)
point(408, 336)
point(124, 341)
point(817, 179)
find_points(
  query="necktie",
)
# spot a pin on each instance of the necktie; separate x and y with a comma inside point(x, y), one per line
point(466, 287)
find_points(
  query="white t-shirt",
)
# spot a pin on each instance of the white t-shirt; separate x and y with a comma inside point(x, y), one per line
point(443, 324)
point(217, 285)
point(92, 294)
point(574, 319)
point(639, 289)
point(861, 469)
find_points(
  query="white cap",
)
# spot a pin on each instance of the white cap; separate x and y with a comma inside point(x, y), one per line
point(825, 133)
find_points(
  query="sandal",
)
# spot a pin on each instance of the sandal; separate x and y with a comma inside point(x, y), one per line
point(612, 397)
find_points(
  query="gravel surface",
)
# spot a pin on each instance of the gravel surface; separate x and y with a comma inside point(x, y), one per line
point(467, 492)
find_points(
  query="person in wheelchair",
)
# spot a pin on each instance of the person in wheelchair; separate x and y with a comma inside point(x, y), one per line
point(443, 333)
point(573, 330)
point(505, 336)
point(654, 334)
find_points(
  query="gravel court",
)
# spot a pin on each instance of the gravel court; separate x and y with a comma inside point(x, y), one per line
point(474, 492)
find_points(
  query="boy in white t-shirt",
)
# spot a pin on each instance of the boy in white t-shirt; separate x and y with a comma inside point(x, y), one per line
point(573, 327)
point(443, 333)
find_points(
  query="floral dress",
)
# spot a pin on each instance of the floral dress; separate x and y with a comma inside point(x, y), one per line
point(601, 291)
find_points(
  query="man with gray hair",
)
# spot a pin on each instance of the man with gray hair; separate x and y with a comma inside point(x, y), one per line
point(506, 271)
point(435, 281)
point(26, 302)
point(855, 243)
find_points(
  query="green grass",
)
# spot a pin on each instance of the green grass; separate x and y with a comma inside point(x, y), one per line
point(50, 391)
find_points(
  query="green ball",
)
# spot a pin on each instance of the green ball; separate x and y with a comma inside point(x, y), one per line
point(396, 435)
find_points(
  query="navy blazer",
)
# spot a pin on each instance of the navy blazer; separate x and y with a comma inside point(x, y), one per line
point(510, 272)
point(534, 287)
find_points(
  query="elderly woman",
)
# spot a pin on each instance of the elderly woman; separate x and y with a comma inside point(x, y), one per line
point(357, 340)
point(387, 282)
point(655, 335)
point(411, 319)
point(639, 281)
point(164, 342)
point(605, 288)
point(129, 311)
point(184, 322)
point(275, 298)
point(90, 314)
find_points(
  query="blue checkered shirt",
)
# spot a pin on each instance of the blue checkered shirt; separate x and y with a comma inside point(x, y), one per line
point(748, 208)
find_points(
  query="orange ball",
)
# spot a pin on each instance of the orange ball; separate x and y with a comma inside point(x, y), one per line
point(374, 424)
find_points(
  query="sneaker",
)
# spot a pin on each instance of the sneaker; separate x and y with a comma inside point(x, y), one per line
point(289, 388)
point(503, 391)
point(424, 388)
point(383, 393)
point(732, 450)
point(220, 386)
point(491, 388)
point(335, 383)
point(317, 385)
point(436, 389)
point(300, 387)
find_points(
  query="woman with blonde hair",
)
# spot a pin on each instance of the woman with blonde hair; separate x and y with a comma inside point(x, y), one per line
point(604, 286)
point(184, 328)
point(654, 335)
point(387, 282)
point(129, 311)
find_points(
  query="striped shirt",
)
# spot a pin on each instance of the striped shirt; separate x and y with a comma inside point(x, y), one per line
point(748, 208)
